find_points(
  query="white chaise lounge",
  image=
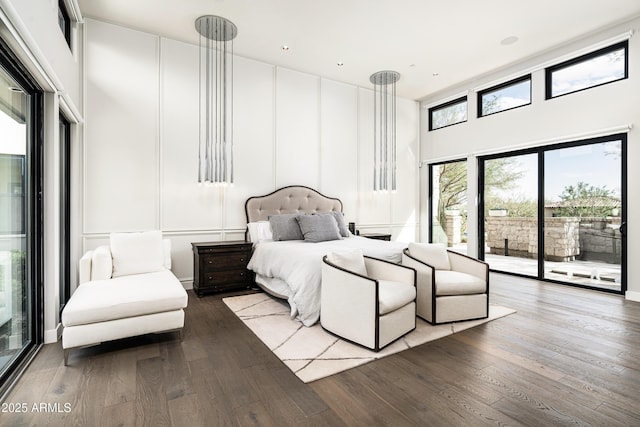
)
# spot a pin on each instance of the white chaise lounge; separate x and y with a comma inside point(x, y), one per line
point(126, 289)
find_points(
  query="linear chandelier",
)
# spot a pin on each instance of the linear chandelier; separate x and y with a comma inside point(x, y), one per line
point(384, 130)
point(215, 149)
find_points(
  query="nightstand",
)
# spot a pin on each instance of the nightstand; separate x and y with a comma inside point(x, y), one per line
point(221, 266)
point(377, 236)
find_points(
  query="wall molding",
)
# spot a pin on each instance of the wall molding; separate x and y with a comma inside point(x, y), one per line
point(632, 296)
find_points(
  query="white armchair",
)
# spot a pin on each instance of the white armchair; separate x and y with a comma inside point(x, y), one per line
point(450, 286)
point(368, 301)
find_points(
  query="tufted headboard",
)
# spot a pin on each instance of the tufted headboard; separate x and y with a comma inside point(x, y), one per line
point(291, 199)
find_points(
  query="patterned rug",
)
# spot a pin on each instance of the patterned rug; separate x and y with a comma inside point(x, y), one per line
point(312, 353)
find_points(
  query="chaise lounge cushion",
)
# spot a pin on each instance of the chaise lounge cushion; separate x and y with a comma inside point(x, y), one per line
point(126, 296)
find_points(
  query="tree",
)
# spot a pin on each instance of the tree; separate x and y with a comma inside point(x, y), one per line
point(586, 200)
point(451, 184)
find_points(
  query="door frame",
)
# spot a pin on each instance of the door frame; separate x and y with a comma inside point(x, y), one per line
point(34, 220)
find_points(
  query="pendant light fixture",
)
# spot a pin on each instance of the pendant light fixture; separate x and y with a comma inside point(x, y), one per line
point(215, 149)
point(384, 130)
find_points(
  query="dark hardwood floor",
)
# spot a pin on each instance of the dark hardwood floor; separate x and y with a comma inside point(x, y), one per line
point(567, 357)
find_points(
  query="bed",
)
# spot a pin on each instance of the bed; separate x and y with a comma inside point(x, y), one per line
point(291, 269)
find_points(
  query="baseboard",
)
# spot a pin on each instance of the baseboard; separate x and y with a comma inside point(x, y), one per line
point(188, 284)
point(632, 296)
point(52, 335)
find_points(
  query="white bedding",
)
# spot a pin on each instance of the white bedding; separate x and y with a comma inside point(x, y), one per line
point(299, 264)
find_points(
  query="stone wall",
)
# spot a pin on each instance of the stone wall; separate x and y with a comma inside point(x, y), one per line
point(565, 238)
point(512, 236)
point(600, 240)
point(561, 238)
point(519, 237)
point(454, 229)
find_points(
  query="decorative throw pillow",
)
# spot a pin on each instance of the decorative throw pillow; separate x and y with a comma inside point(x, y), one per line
point(318, 228)
point(339, 216)
point(352, 260)
point(434, 254)
point(136, 253)
point(285, 227)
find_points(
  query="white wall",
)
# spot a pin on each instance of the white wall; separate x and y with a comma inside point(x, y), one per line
point(141, 142)
point(594, 112)
point(36, 21)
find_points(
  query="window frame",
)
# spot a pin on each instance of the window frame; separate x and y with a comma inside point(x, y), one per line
point(548, 72)
point(65, 210)
point(66, 18)
point(34, 217)
point(507, 84)
point(448, 104)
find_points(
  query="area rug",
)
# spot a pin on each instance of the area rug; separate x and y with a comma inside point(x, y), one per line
point(313, 353)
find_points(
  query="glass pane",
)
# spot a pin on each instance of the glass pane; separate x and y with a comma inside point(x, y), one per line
point(14, 295)
point(583, 211)
point(449, 205)
point(505, 98)
point(511, 214)
point(449, 115)
point(592, 72)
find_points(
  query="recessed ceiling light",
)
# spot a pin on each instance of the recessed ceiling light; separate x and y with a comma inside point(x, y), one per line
point(412, 65)
point(509, 40)
point(435, 74)
point(284, 48)
point(340, 63)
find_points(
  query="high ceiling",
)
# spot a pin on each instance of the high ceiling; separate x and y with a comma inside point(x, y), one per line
point(432, 44)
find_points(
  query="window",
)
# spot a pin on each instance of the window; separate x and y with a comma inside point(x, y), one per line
point(64, 21)
point(593, 69)
point(448, 114)
point(506, 96)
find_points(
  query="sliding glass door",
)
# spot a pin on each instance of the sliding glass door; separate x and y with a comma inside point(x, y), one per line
point(510, 213)
point(557, 212)
point(20, 216)
point(583, 214)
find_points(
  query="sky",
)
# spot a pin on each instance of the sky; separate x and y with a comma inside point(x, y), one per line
point(596, 164)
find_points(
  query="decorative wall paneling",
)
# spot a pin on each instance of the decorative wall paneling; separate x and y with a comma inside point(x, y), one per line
point(141, 139)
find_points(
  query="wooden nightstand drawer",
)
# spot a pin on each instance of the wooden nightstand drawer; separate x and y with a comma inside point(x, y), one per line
point(221, 266)
point(224, 277)
point(224, 261)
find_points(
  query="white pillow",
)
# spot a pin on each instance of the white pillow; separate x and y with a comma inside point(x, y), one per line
point(166, 253)
point(351, 260)
point(101, 263)
point(136, 253)
point(260, 231)
point(434, 254)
